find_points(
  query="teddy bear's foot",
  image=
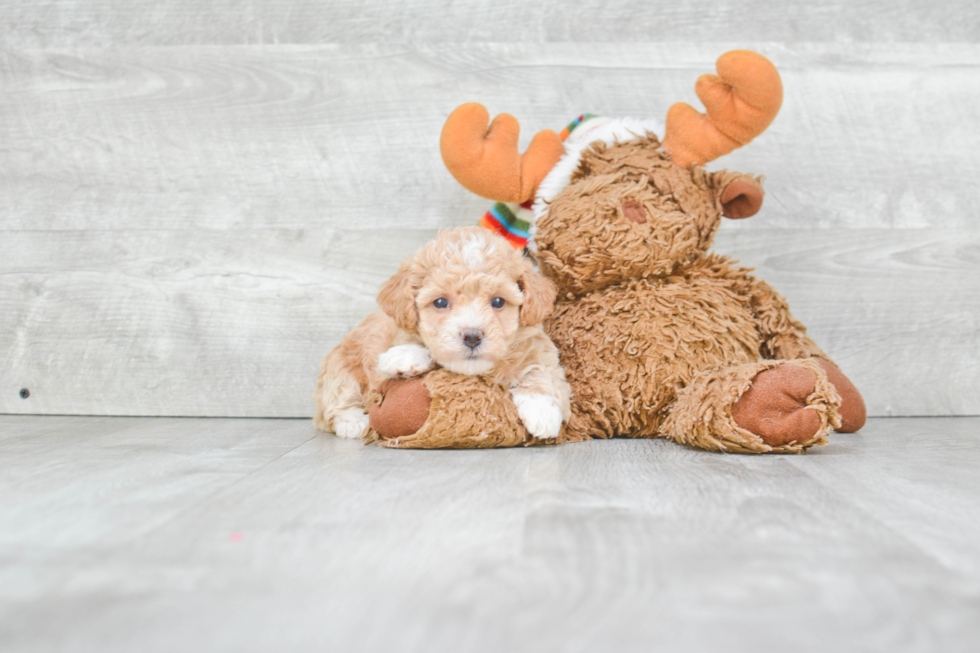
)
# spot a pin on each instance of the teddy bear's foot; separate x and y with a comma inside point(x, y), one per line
point(853, 413)
point(401, 408)
point(442, 410)
point(775, 406)
point(765, 407)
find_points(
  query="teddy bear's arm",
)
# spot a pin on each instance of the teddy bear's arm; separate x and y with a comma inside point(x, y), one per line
point(783, 336)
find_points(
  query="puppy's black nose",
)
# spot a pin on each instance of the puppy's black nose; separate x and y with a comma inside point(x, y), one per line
point(472, 338)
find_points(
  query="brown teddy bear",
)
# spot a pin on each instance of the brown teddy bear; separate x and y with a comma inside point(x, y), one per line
point(658, 336)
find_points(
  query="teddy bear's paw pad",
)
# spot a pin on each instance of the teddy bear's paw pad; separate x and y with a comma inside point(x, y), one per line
point(352, 423)
point(404, 362)
point(853, 413)
point(775, 406)
point(403, 409)
point(540, 414)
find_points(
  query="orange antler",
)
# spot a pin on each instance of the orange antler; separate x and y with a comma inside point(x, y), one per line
point(485, 159)
point(741, 101)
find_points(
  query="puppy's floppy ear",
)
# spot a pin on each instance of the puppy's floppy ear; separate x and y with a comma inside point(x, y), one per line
point(397, 298)
point(539, 296)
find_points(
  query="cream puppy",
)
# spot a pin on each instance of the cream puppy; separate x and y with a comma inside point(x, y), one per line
point(467, 302)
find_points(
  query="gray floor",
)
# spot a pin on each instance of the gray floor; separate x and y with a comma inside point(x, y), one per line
point(136, 534)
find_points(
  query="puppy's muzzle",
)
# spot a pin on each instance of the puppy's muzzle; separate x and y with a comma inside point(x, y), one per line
point(472, 338)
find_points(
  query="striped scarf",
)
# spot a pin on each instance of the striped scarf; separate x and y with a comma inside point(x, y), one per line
point(514, 221)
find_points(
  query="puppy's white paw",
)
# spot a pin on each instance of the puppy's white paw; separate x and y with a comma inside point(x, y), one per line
point(540, 414)
point(352, 423)
point(404, 362)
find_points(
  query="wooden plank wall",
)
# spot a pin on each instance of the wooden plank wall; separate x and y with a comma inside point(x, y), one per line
point(200, 199)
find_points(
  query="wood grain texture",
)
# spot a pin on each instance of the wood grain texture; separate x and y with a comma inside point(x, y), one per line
point(70, 23)
point(187, 230)
point(297, 136)
point(121, 534)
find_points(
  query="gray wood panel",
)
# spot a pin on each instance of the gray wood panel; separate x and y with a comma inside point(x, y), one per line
point(187, 230)
point(297, 136)
point(123, 534)
point(69, 23)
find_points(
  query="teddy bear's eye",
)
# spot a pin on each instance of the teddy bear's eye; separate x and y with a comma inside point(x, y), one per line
point(442, 302)
point(497, 302)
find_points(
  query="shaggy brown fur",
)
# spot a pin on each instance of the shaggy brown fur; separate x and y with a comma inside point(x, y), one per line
point(660, 338)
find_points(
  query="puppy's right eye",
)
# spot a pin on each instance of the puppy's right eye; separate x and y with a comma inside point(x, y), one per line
point(442, 302)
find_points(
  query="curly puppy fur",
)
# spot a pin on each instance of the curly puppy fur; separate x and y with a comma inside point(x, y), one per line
point(466, 302)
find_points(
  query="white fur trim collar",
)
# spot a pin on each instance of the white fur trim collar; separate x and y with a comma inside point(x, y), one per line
point(617, 130)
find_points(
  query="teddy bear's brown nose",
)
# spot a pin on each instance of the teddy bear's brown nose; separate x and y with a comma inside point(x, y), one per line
point(472, 338)
point(634, 211)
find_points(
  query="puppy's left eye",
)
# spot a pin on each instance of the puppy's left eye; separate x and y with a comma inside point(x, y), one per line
point(497, 302)
point(442, 302)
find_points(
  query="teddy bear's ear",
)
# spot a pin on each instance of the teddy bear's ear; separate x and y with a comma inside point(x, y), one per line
point(397, 298)
point(539, 296)
point(740, 195)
